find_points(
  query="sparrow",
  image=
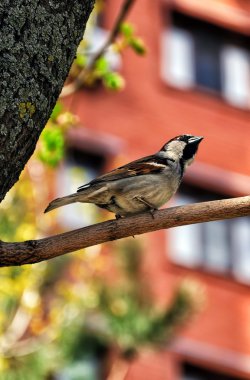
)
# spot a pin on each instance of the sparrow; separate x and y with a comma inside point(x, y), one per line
point(142, 185)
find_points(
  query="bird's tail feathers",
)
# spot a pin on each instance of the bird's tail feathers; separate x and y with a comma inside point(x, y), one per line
point(62, 202)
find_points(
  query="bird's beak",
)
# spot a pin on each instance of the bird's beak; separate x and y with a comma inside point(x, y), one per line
point(195, 140)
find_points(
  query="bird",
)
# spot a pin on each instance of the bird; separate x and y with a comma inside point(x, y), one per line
point(141, 185)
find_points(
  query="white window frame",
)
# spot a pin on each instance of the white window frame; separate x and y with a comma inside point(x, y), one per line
point(235, 63)
point(177, 61)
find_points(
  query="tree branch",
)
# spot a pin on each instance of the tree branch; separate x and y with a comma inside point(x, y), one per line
point(34, 251)
point(79, 81)
point(114, 32)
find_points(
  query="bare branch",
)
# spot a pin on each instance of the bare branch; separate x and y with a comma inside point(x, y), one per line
point(34, 251)
point(78, 82)
point(114, 32)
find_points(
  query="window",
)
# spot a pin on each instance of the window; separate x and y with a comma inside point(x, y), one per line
point(199, 54)
point(178, 51)
point(207, 61)
point(236, 75)
point(191, 372)
point(221, 247)
point(79, 167)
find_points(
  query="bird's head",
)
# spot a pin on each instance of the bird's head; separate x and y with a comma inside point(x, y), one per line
point(183, 147)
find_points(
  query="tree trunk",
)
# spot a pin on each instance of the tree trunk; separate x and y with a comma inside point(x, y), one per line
point(38, 42)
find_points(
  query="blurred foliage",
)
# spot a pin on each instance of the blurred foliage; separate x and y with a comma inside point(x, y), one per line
point(51, 146)
point(62, 317)
point(133, 321)
point(130, 39)
point(90, 71)
point(113, 81)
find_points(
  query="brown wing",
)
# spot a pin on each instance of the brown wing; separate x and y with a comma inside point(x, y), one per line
point(143, 166)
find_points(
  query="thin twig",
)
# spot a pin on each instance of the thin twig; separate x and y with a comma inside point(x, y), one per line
point(119, 370)
point(34, 251)
point(114, 33)
point(78, 82)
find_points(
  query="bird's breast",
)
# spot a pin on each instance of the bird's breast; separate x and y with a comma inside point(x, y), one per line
point(156, 190)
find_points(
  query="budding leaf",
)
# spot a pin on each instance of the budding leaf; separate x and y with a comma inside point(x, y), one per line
point(101, 66)
point(138, 45)
point(56, 111)
point(51, 147)
point(113, 81)
point(127, 29)
point(81, 60)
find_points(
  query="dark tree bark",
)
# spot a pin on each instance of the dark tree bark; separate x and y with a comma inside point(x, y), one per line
point(38, 42)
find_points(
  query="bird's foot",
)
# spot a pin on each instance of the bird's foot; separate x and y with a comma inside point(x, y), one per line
point(151, 208)
point(152, 211)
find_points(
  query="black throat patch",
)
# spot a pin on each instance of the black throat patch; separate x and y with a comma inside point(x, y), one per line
point(182, 168)
point(189, 151)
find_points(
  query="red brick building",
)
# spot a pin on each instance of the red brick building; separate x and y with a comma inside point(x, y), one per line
point(195, 79)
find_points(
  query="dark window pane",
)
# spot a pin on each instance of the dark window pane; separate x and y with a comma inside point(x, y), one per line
point(191, 372)
point(207, 62)
point(86, 159)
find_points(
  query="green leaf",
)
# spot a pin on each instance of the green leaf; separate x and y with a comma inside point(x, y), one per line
point(81, 60)
point(101, 66)
point(52, 147)
point(56, 111)
point(138, 45)
point(127, 29)
point(113, 81)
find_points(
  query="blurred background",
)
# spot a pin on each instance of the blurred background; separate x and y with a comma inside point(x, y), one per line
point(171, 304)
